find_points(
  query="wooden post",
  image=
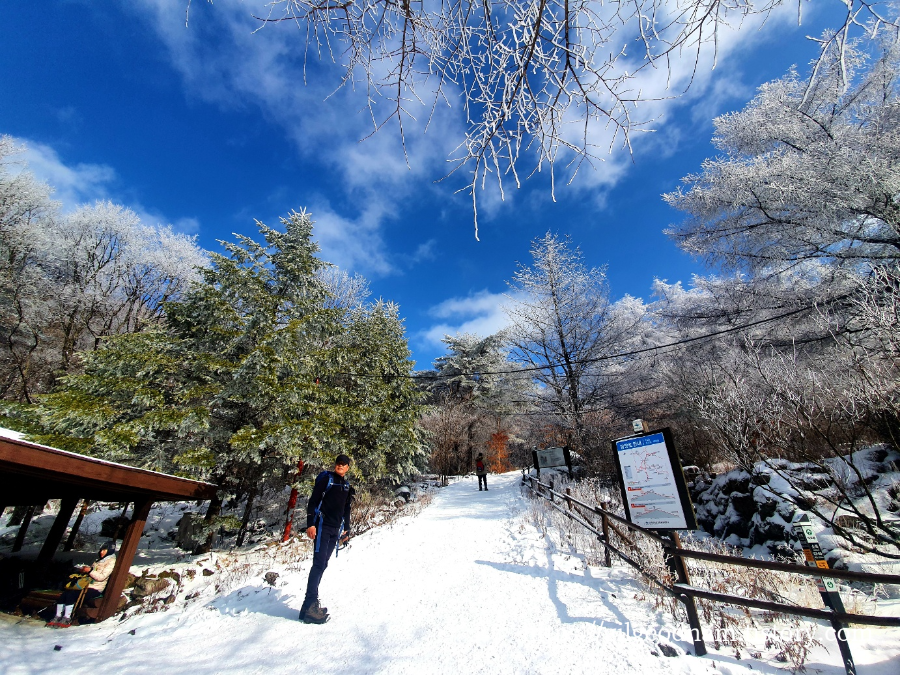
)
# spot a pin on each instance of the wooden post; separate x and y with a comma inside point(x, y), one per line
point(23, 528)
point(569, 498)
point(116, 582)
point(57, 530)
point(679, 569)
point(604, 506)
point(70, 542)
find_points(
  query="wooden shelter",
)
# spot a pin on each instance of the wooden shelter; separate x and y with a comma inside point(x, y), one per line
point(32, 474)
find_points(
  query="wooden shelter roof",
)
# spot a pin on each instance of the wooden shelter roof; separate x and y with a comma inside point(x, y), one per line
point(32, 473)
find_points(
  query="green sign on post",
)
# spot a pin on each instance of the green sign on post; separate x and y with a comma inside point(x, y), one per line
point(812, 551)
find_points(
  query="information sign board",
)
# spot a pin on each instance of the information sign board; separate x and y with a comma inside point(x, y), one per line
point(551, 457)
point(653, 487)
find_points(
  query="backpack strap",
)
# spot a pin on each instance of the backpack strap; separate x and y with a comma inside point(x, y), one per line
point(318, 512)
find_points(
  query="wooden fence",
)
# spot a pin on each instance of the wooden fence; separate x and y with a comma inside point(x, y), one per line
point(682, 589)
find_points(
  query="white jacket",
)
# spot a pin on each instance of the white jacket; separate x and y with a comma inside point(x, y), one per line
point(100, 572)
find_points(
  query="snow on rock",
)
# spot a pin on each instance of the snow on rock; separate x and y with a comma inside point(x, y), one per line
point(755, 512)
point(469, 585)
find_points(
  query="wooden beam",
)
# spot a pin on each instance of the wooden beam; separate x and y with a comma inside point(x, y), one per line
point(116, 582)
point(57, 530)
point(23, 528)
point(80, 474)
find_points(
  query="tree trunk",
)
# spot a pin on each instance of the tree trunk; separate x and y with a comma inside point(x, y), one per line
point(70, 542)
point(215, 508)
point(17, 515)
point(251, 497)
point(23, 528)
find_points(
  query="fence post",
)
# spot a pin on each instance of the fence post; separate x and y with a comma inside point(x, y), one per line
point(569, 498)
point(679, 569)
point(604, 506)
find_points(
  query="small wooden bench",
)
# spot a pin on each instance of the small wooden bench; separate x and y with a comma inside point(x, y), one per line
point(37, 600)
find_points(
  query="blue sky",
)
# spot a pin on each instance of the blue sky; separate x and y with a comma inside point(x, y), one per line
point(210, 126)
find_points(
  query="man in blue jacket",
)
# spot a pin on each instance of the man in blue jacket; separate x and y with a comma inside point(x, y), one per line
point(327, 521)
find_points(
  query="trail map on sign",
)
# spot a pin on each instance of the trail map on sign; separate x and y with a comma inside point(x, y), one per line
point(650, 486)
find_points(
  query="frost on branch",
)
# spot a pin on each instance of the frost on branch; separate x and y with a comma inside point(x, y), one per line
point(560, 80)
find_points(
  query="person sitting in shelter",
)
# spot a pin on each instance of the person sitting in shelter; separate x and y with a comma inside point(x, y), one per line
point(98, 573)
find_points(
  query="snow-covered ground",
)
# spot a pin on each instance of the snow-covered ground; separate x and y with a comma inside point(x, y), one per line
point(470, 585)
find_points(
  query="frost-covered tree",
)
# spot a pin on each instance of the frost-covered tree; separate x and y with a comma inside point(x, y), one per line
point(477, 369)
point(67, 281)
point(563, 327)
point(344, 289)
point(251, 370)
point(476, 387)
point(26, 212)
point(809, 170)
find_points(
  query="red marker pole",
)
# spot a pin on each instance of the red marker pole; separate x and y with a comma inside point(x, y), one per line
point(292, 503)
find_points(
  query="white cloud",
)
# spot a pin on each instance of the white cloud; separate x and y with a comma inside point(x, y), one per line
point(82, 183)
point(73, 185)
point(425, 251)
point(480, 313)
point(353, 243)
point(225, 57)
point(703, 82)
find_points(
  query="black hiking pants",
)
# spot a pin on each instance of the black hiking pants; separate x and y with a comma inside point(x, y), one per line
point(482, 479)
point(70, 596)
point(327, 540)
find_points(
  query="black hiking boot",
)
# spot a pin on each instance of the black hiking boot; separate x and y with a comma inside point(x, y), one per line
point(315, 614)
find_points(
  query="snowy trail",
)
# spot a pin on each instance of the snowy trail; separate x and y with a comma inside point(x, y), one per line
point(467, 586)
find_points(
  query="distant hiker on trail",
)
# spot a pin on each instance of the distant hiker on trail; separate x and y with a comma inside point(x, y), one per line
point(327, 523)
point(481, 471)
point(98, 573)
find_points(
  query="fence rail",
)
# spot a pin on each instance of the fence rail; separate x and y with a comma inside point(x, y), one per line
point(684, 591)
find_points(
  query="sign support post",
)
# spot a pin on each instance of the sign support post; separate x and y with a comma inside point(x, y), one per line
point(812, 551)
point(655, 496)
point(680, 572)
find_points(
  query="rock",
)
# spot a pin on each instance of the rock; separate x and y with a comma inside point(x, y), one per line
point(169, 599)
point(781, 551)
point(739, 483)
point(737, 526)
point(271, 578)
point(767, 508)
point(743, 503)
point(667, 650)
point(148, 586)
point(190, 531)
point(114, 528)
point(207, 572)
point(767, 531)
point(804, 502)
point(761, 479)
point(171, 574)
